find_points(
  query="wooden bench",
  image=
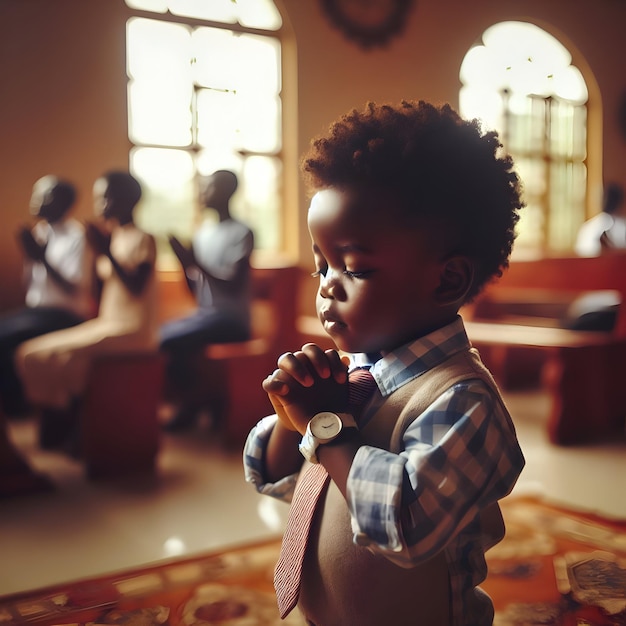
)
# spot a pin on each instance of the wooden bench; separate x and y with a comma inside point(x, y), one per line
point(515, 324)
point(119, 431)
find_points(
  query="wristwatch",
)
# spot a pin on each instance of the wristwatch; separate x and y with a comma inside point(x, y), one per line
point(323, 428)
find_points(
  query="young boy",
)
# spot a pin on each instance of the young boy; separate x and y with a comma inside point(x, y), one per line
point(413, 213)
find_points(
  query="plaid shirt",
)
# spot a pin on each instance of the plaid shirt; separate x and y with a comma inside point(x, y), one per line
point(459, 456)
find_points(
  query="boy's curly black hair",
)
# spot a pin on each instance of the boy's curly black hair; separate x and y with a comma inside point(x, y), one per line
point(438, 166)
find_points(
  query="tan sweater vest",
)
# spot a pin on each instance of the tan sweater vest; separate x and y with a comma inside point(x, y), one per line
point(345, 584)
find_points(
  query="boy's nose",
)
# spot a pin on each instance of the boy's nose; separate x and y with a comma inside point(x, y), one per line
point(330, 286)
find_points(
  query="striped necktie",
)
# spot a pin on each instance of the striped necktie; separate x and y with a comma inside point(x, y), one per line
point(288, 572)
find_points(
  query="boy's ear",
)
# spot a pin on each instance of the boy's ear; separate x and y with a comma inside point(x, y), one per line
point(457, 274)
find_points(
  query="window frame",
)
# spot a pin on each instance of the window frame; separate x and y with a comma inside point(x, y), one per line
point(282, 248)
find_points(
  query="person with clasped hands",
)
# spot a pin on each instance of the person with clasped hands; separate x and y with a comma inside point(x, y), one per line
point(58, 277)
point(412, 214)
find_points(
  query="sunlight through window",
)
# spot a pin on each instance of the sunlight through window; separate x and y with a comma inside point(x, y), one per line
point(201, 98)
point(520, 81)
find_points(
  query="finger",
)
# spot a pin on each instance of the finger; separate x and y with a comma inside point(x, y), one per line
point(276, 384)
point(281, 412)
point(318, 359)
point(297, 366)
point(338, 366)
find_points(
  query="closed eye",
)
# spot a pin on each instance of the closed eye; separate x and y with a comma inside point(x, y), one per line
point(358, 275)
point(349, 273)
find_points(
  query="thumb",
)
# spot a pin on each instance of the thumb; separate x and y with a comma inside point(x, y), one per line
point(280, 411)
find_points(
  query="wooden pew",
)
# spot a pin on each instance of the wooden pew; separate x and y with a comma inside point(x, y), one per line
point(119, 431)
point(516, 322)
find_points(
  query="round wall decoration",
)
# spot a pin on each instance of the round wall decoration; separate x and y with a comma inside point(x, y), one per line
point(368, 22)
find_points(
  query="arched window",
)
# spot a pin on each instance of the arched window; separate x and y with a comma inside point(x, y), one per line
point(520, 81)
point(204, 93)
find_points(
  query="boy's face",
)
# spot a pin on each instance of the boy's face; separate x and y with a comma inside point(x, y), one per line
point(379, 273)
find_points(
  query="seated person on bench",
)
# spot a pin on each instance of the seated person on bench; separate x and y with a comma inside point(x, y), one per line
point(54, 368)
point(217, 270)
point(57, 272)
point(605, 232)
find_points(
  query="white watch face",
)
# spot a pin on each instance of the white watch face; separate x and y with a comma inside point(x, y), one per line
point(325, 426)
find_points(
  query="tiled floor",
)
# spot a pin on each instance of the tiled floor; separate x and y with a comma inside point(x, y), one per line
point(201, 502)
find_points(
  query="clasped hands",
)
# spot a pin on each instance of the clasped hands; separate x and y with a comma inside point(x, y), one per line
point(100, 242)
point(32, 248)
point(183, 254)
point(306, 382)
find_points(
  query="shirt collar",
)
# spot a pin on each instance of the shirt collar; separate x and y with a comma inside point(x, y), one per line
point(413, 359)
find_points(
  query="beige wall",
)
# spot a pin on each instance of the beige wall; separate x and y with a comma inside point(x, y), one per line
point(63, 100)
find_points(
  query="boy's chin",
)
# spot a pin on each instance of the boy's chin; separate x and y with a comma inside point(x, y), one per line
point(342, 346)
point(352, 347)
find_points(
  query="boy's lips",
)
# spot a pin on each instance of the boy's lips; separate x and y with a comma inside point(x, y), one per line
point(330, 321)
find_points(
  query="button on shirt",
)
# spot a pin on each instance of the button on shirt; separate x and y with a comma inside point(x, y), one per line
point(408, 506)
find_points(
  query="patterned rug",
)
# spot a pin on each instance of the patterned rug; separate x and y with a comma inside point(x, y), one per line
point(554, 567)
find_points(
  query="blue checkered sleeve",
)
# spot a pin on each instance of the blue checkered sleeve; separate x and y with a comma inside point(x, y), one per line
point(254, 467)
point(459, 456)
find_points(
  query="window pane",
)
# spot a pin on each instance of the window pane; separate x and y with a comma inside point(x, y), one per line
point(569, 84)
point(215, 58)
point(223, 60)
point(238, 123)
point(260, 128)
point(580, 133)
point(159, 94)
point(261, 200)
point(158, 50)
point(215, 10)
point(568, 183)
point(218, 119)
point(484, 104)
point(258, 67)
point(532, 223)
point(156, 6)
point(168, 204)
point(251, 13)
point(259, 14)
point(159, 114)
